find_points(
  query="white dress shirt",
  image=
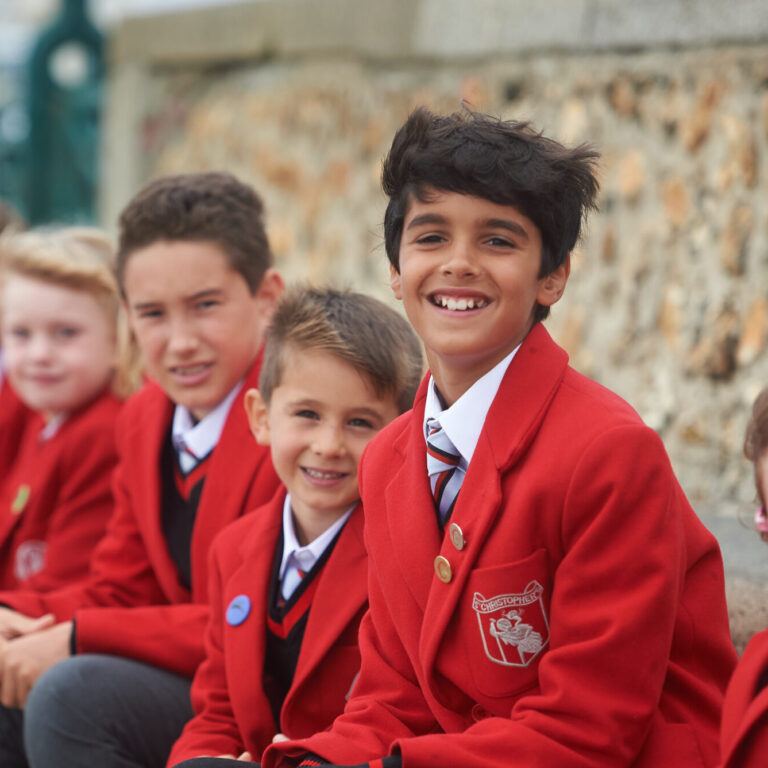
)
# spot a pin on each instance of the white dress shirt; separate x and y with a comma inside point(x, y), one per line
point(200, 437)
point(297, 558)
point(463, 421)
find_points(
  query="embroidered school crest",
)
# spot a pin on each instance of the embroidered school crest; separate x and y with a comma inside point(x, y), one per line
point(514, 627)
point(30, 559)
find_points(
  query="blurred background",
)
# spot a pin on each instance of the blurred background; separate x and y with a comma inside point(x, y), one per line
point(668, 298)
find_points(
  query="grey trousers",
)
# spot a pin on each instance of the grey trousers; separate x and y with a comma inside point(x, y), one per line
point(94, 710)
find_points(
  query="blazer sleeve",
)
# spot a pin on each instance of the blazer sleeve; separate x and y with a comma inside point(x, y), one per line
point(83, 507)
point(213, 730)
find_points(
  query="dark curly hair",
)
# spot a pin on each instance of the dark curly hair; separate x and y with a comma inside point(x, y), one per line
point(504, 161)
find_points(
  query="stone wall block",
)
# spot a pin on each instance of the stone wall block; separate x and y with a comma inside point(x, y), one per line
point(632, 175)
point(753, 334)
point(608, 246)
point(676, 201)
point(742, 158)
point(697, 124)
point(735, 240)
point(573, 122)
point(670, 315)
point(621, 97)
point(715, 354)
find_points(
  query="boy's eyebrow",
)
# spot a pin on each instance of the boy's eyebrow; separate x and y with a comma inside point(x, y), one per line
point(368, 411)
point(310, 402)
point(203, 294)
point(436, 218)
point(512, 226)
point(194, 297)
point(426, 218)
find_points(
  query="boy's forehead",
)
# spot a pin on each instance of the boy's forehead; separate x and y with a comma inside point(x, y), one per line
point(298, 360)
point(444, 202)
point(186, 266)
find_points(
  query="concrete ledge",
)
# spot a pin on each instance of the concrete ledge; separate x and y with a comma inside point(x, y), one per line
point(434, 29)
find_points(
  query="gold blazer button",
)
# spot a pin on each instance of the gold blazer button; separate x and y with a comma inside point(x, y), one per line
point(457, 536)
point(443, 569)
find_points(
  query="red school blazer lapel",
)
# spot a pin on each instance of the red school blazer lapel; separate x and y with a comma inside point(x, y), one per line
point(143, 455)
point(31, 463)
point(743, 710)
point(525, 393)
point(244, 645)
point(341, 593)
point(413, 531)
point(229, 489)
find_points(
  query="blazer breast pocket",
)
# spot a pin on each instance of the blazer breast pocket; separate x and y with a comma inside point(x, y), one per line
point(505, 623)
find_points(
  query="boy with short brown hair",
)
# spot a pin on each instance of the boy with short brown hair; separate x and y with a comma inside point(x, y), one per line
point(199, 303)
point(288, 582)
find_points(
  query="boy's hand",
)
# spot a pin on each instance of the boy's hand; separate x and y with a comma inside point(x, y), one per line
point(14, 624)
point(24, 659)
point(245, 757)
point(392, 761)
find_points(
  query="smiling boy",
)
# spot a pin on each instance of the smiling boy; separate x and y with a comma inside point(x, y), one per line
point(288, 583)
point(194, 266)
point(541, 593)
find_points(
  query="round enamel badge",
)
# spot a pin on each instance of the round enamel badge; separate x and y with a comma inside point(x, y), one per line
point(238, 610)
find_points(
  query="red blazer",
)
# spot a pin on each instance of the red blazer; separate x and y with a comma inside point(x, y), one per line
point(232, 713)
point(583, 622)
point(133, 582)
point(56, 498)
point(744, 730)
point(13, 418)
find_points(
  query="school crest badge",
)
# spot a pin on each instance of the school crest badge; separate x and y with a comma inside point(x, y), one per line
point(514, 627)
point(30, 559)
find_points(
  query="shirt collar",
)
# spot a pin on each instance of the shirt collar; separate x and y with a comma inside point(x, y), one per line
point(201, 438)
point(52, 427)
point(464, 420)
point(316, 548)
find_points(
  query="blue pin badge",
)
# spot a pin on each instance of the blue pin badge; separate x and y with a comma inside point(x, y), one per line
point(238, 610)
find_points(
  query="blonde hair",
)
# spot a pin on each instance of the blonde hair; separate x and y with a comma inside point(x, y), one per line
point(81, 259)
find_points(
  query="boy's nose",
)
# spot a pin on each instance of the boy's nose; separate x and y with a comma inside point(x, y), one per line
point(329, 442)
point(182, 339)
point(460, 261)
point(39, 347)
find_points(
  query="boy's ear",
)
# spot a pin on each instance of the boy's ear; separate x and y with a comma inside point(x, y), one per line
point(256, 410)
point(270, 289)
point(552, 287)
point(394, 282)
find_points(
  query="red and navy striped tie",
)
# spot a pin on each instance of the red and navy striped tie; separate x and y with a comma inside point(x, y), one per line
point(444, 468)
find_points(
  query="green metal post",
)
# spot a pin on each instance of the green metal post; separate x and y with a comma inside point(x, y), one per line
point(66, 71)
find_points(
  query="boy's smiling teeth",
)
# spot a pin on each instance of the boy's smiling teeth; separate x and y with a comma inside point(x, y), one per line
point(320, 475)
point(191, 369)
point(449, 302)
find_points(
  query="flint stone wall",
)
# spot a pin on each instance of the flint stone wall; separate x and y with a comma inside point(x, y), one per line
point(668, 298)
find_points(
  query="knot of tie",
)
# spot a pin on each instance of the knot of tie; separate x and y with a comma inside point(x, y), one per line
point(444, 468)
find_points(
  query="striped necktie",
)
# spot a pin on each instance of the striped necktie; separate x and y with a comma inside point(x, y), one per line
point(444, 468)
